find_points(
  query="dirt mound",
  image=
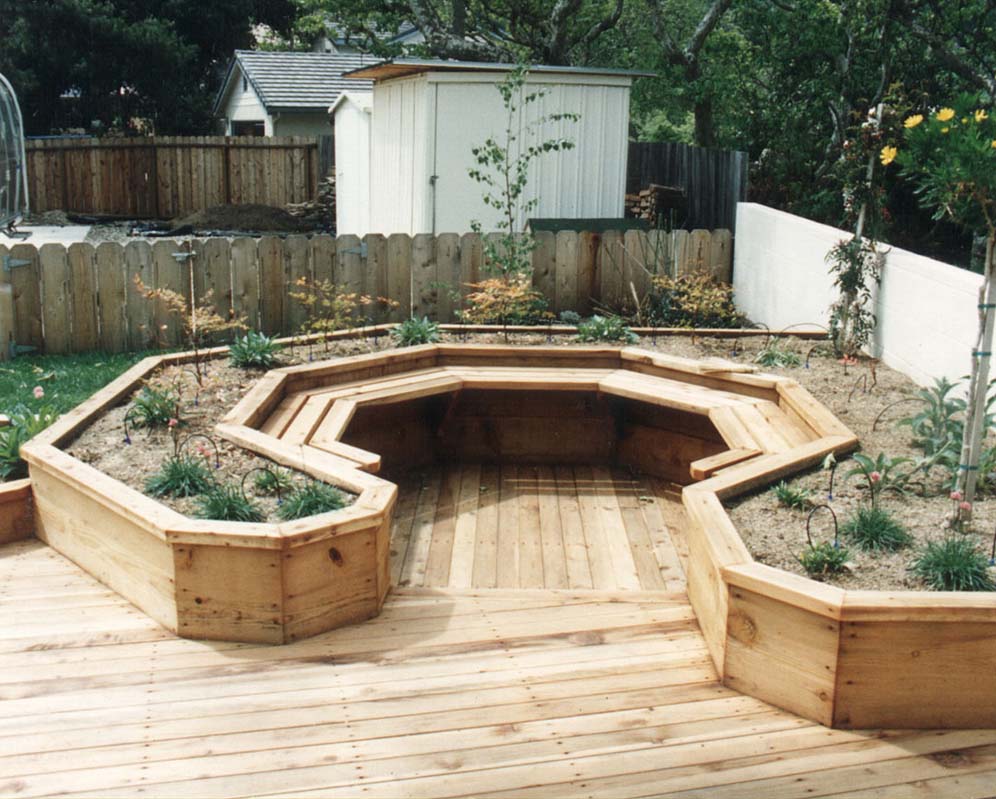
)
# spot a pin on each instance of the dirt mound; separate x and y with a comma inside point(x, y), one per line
point(249, 218)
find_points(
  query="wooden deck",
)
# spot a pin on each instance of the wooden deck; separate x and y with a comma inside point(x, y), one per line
point(524, 526)
point(542, 692)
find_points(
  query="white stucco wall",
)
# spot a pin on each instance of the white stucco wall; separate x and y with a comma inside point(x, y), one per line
point(926, 310)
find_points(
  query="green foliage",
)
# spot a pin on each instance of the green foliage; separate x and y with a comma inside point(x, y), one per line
point(272, 481)
point(820, 560)
point(130, 64)
point(776, 354)
point(415, 331)
point(226, 502)
point(855, 265)
point(154, 407)
point(180, 476)
point(790, 496)
point(953, 564)
point(310, 499)
point(693, 300)
point(332, 307)
point(606, 328)
point(25, 424)
point(949, 154)
point(936, 427)
point(255, 350)
point(570, 318)
point(880, 474)
point(502, 167)
point(876, 529)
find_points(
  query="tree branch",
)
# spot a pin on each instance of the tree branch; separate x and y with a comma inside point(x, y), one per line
point(954, 60)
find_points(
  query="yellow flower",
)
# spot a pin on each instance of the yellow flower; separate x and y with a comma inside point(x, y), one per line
point(945, 114)
point(944, 130)
point(913, 121)
point(980, 115)
point(964, 120)
point(994, 144)
point(888, 155)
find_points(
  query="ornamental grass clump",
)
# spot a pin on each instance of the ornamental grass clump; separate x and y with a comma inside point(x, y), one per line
point(226, 502)
point(823, 559)
point(790, 496)
point(876, 530)
point(953, 564)
point(310, 499)
point(180, 476)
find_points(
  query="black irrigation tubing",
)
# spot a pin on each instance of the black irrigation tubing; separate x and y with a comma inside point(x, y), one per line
point(881, 413)
point(217, 450)
point(268, 470)
point(836, 528)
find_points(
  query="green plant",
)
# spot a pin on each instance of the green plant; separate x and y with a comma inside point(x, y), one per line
point(24, 425)
point(570, 318)
point(226, 502)
point(876, 529)
point(790, 496)
point(605, 328)
point(953, 564)
point(879, 474)
point(502, 167)
point(255, 350)
point(272, 481)
point(823, 558)
point(692, 300)
point(855, 264)
point(778, 355)
point(180, 476)
point(509, 300)
point(312, 498)
point(154, 407)
point(415, 331)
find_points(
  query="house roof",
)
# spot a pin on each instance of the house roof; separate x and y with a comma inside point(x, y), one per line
point(294, 81)
point(401, 67)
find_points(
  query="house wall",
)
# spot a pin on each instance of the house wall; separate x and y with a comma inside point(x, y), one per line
point(244, 106)
point(286, 123)
point(352, 169)
point(428, 124)
point(925, 309)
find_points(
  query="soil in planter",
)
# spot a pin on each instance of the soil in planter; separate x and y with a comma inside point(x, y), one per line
point(774, 535)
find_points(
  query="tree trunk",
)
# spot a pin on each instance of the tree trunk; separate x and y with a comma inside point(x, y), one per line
point(978, 388)
point(704, 133)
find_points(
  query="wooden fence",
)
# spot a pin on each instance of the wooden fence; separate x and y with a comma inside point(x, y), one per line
point(165, 177)
point(84, 297)
point(714, 180)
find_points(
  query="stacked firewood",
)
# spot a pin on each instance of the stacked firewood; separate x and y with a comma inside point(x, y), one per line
point(656, 200)
point(319, 213)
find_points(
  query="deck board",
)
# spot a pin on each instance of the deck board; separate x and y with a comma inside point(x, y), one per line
point(476, 691)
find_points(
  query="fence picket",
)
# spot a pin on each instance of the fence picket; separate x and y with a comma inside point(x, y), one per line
point(90, 300)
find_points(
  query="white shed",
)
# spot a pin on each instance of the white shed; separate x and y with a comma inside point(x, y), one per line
point(351, 121)
point(428, 115)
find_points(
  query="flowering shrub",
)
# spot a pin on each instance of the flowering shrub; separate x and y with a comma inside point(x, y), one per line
point(692, 300)
point(507, 300)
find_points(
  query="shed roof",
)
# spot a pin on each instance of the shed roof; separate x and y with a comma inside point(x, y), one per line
point(402, 67)
point(293, 81)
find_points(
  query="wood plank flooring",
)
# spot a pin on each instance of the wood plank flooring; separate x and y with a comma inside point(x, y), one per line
point(473, 692)
point(520, 526)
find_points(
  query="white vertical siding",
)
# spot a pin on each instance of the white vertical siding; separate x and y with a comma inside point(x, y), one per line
point(396, 175)
point(244, 106)
point(352, 168)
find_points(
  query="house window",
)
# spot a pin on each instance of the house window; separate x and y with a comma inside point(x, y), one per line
point(248, 128)
point(245, 85)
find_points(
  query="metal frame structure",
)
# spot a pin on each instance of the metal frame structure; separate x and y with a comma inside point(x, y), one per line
point(14, 200)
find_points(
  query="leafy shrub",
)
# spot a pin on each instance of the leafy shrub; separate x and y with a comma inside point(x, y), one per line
point(790, 496)
point(226, 502)
point(954, 564)
point(180, 476)
point(693, 300)
point(605, 328)
point(509, 300)
point(880, 474)
point(24, 425)
point(570, 318)
point(254, 351)
point(822, 559)
point(777, 355)
point(877, 530)
point(414, 331)
point(310, 499)
point(154, 407)
point(272, 481)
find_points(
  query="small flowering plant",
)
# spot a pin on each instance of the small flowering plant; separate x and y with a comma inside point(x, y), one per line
point(880, 474)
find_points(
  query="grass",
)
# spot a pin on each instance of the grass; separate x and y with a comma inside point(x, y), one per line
point(180, 476)
point(876, 530)
point(226, 502)
point(67, 380)
point(954, 564)
point(822, 559)
point(310, 499)
point(789, 496)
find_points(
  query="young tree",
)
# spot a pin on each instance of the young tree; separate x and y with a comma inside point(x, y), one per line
point(950, 153)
